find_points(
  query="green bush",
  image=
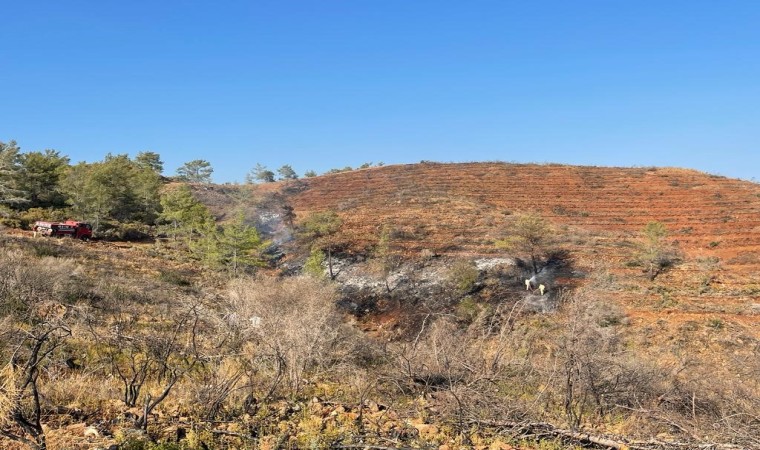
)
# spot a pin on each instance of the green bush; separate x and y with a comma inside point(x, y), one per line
point(27, 218)
point(463, 276)
point(130, 231)
point(468, 309)
point(314, 264)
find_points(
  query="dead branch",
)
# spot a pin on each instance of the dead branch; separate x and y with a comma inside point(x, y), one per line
point(232, 433)
point(543, 429)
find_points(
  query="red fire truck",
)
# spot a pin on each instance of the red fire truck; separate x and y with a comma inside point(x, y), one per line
point(70, 228)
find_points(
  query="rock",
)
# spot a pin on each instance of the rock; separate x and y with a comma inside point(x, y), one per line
point(91, 432)
point(489, 263)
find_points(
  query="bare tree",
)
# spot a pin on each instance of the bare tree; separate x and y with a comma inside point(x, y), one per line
point(20, 403)
point(32, 329)
point(137, 354)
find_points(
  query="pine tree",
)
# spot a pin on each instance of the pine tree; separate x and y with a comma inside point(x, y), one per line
point(205, 243)
point(196, 171)
point(655, 253)
point(240, 245)
point(287, 173)
point(314, 263)
point(385, 260)
point(40, 178)
point(10, 194)
point(529, 234)
point(321, 228)
point(182, 215)
point(74, 186)
point(116, 188)
point(150, 160)
point(260, 173)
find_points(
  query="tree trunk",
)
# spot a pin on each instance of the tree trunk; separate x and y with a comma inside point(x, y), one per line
point(329, 263)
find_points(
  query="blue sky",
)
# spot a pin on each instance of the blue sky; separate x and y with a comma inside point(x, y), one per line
point(323, 84)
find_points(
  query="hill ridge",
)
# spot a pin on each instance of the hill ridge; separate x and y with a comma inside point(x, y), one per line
point(586, 196)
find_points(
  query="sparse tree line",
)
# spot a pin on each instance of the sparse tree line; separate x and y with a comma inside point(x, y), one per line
point(45, 185)
point(35, 185)
point(129, 198)
point(124, 198)
point(261, 174)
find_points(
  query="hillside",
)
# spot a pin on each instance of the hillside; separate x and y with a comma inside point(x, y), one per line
point(458, 208)
point(431, 342)
point(461, 209)
point(702, 314)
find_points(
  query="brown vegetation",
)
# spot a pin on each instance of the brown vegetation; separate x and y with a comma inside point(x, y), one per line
point(132, 344)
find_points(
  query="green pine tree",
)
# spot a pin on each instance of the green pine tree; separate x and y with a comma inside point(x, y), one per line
point(240, 245)
point(10, 194)
point(314, 264)
point(320, 229)
point(205, 244)
point(182, 215)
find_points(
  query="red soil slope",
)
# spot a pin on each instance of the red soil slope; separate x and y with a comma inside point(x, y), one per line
point(460, 209)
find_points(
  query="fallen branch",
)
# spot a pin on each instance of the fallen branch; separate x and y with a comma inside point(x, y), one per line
point(232, 433)
point(543, 429)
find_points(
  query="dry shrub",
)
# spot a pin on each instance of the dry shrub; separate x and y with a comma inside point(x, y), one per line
point(8, 393)
point(460, 371)
point(31, 331)
point(290, 328)
point(79, 390)
point(29, 286)
point(512, 363)
point(706, 401)
point(603, 380)
point(151, 357)
point(217, 391)
point(598, 375)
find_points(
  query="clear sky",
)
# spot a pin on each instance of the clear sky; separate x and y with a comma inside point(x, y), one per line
point(330, 83)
